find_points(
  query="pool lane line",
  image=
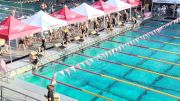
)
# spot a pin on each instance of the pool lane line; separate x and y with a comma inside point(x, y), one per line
point(134, 67)
point(126, 82)
point(155, 28)
point(157, 41)
point(140, 56)
point(143, 32)
point(145, 47)
point(68, 85)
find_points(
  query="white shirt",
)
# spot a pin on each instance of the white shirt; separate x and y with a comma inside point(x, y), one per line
point(178, 10)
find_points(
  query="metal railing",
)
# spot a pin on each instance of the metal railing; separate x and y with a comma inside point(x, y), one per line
point(8, 94)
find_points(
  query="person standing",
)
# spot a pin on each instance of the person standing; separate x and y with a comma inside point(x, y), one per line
point(163, 9)
point(52, 9)
point(43, 6)
point(42, 48)
point(113, 21)
point(134, 22)
point(125, 17)
point(50, 94)
point(178, 12)
point(14, 12)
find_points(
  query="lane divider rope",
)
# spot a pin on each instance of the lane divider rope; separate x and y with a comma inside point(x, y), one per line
point(134, 67)
point(166, 29)
point(144, 57)
point(68, 85)
point(153, 40)
point(163, 34)
point(127, 82)
point(155, 49)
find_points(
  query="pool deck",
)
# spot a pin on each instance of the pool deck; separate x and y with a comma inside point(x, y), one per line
point(21, 66)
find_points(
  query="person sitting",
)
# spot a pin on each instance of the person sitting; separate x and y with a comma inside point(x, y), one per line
point(28, 41)
point(21, 44)
point(3, 46)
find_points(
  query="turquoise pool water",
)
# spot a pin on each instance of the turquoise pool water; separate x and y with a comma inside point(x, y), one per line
point(117, 90)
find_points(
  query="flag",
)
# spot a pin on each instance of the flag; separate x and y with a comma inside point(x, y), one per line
point(121, 47)
point(127, 44)
point(78, 66)
point(67, 71)
point(87, 62)
point(91, 60)
point(103, 55)
point(72, 68)
point(131, 43)
point(110, 53)
point(97, 57)
point(82, 64)
point(62, 72)
point(106, 54)
point(113, 52)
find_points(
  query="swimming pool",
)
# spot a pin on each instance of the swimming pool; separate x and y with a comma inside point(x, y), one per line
point(147, 71)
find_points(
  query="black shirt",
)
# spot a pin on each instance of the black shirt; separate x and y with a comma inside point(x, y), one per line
point(43, 42)
point(50, 95)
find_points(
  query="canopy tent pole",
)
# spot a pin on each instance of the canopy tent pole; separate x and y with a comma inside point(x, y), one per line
point(10, 54)
point(104, 22)
point(21, 7)
point(130, 12)
point(78, 25)
point(17, 43)
point(174, 9)
point(152, 7)
point(141, 10)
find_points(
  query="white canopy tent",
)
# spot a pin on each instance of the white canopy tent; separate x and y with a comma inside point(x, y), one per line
point(45, 21)
point(89, 11)
point(120, 4)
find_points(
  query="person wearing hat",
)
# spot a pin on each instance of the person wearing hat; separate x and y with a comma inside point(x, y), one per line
point(178, 11)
